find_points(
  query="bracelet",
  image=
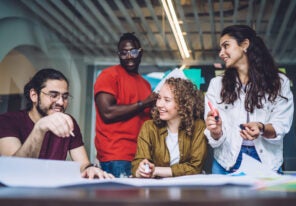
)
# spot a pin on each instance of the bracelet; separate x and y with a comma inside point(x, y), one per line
point(140, 104)
point(262, 130)
point(91, 165)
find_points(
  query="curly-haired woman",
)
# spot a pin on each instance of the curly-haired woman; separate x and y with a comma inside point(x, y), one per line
point(253, 101)
point(173, 143)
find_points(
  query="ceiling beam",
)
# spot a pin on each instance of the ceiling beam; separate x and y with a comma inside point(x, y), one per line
point(185, 27)
point(159, 28)
point(71, 21)
point(235, 8)
point(271, 20)
point(250, 13)
point(199, 27)
point(260, 15)
point(100, 37)
point(212, 25)
point(57, 27)
point(283, 27)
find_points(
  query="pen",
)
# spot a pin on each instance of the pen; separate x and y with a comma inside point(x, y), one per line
point(242, 127)
point(213, 111)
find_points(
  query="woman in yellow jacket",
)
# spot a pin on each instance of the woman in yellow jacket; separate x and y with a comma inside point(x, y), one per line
point(173, 143)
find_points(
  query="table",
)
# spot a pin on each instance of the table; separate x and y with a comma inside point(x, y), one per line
point(114, 195)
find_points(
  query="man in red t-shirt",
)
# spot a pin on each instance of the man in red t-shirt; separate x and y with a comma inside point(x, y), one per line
point(123, 99)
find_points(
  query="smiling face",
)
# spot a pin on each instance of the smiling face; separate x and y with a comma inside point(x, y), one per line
point(129, 62)
point(231, 53)
point(166, 104)
point(51, 98)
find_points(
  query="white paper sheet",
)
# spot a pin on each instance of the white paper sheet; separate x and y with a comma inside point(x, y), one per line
point(253, 168)
point(27, 172)
point(177, 73)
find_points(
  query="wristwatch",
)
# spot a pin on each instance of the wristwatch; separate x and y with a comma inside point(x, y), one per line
point(140, 104)
point(262, 128)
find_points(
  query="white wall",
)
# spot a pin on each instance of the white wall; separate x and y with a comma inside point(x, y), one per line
point(26, 37)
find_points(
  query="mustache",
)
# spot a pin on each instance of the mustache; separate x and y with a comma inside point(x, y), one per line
point(55, 105)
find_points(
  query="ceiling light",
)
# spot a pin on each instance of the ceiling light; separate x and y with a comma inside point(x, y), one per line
point(173, 20)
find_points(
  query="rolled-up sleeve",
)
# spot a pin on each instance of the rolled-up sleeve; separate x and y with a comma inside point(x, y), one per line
point(282, 112)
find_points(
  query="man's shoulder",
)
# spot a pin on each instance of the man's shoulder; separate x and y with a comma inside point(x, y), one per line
point(13, 120)
point(13, 114)
point(112, 69)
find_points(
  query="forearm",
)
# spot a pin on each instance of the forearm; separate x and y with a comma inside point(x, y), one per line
point(162, 172)
point(269, 131)
point(32, 146)
point(79, 154)
point(117, 112)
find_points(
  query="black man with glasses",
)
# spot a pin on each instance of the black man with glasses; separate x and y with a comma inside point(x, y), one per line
point(43, 130)
point(123, 99)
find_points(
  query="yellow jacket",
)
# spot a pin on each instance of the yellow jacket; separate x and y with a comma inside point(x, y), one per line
point(152, 146)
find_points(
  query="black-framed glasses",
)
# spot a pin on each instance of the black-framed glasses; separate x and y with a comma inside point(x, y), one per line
point(134, 53)
point(55, 96)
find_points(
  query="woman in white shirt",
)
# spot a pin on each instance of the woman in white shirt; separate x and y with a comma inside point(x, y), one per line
point(252, 100)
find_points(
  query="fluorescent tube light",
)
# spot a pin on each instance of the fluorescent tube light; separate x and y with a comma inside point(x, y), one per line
point(173, 20)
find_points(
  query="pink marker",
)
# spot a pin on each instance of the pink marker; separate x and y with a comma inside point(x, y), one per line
point(213, 111)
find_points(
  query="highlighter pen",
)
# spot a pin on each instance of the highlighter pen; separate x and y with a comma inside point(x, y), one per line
point(72, 134)
point(213, 111)
point(147, 169)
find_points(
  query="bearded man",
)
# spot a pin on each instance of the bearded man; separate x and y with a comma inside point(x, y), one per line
point(43, 130)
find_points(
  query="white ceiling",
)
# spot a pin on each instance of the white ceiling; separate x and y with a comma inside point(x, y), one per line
point(92, 28)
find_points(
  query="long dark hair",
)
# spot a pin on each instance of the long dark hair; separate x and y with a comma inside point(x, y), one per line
point(38, 82)
point(263, 73)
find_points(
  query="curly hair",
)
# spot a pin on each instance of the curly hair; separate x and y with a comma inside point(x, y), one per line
point(263, 74)
point(190, 104)
point(130, 37)
point(38, 82)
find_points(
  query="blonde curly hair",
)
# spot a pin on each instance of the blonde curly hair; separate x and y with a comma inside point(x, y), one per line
point(190, 103)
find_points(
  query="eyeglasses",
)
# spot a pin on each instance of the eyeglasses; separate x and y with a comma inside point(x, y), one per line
point(55, 96)
point(134, 53)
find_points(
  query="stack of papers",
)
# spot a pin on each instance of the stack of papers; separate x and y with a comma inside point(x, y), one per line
point(27, 172)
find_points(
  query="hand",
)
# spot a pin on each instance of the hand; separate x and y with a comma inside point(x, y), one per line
point(95, 172)
point(251, 131)
point(58, 123)
point(150, 100)
point(213, 125)
point(142, 172)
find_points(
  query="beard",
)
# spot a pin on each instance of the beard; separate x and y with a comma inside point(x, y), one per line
point(44, 111)
point(131, 68)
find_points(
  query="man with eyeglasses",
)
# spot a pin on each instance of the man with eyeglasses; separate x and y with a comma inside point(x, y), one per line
point(43, 130)
point(123, 99)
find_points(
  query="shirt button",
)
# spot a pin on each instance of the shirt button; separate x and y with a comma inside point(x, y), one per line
point(261, 150)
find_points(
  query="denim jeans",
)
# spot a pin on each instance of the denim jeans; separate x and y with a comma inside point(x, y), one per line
point(119, 168)
point(249, 150)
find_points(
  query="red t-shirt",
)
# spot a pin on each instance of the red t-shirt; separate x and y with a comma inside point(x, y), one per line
point(18, 124)
point(118, 141)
